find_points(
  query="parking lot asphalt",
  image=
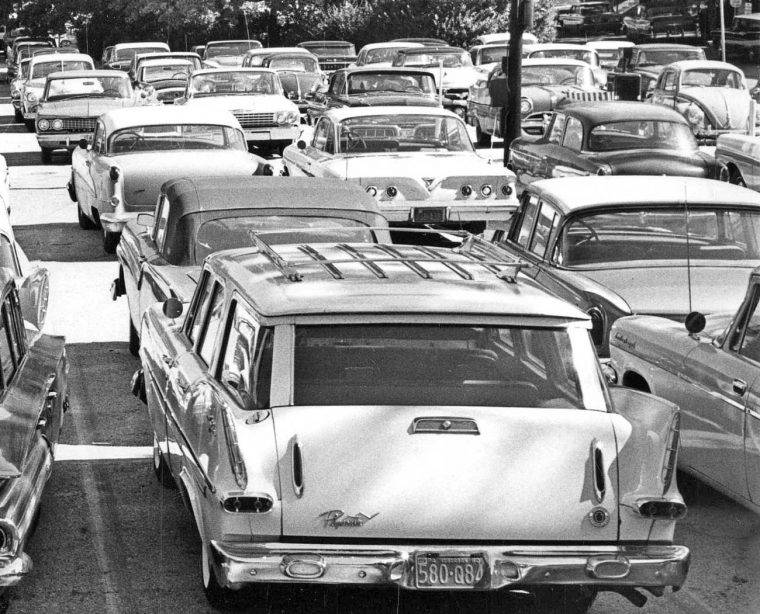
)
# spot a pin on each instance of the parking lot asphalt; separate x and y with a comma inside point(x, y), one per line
point(111, 540)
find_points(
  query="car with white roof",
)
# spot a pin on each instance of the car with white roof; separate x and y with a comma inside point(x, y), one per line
point(71, 102)
point(255, 57)
point(120, 56)
point(325, 429)
point(40, 67)
point(15, 88)
point(163, 80)
point(418, 162)
point(254, 96)
point(188, 56)
point(134, 151)
point(651, 245)
point(381, 54)
point(500, 38)
point(609, 52)
point(220, 54)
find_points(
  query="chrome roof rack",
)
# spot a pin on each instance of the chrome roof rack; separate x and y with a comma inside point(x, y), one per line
point(475, 250)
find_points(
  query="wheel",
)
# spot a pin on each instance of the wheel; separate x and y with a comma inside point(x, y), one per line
point(484, 139)
point(160, 467)
point(564, 599)
point(134, 339)
point(46, 155)
point(110, 241)
point(85, 222)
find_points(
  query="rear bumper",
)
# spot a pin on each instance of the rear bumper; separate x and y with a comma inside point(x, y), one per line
point(14, 568)
point(238, 564)
point(415, 211)
point(258, 135)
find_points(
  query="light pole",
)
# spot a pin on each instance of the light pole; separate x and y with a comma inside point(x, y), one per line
point(520, 17)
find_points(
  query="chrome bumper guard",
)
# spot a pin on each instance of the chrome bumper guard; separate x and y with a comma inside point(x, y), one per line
point(115, 222)
point(238, 564)
point(14, 568)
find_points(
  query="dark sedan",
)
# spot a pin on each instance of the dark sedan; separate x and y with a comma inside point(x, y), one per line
point(611, 138)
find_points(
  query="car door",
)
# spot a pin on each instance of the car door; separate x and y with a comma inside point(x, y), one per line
point(81, 167)
point(565, 160)
point(530, 161)
point(715, 403)
point(149, 291)
point(99, 168)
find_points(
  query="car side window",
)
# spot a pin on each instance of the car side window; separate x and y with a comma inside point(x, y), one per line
point(162, 220)
point(557, 129)
point(194, 318)
point(211, 324)
point(669, 81)
point(527, 221)
point(573, 134)
point(11, 345)
point(320, 135)
point(98, 140)
point(548, 219)
point(746, 339)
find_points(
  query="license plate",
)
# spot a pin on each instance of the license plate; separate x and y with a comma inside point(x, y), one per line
point(429, 215)
point(450, 571)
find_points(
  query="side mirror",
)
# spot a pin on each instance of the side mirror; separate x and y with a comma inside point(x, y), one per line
point(172, 308)
point(695, 323)
point(33, 296)
point(83, 143)
point(146, 219)
point(301, 144)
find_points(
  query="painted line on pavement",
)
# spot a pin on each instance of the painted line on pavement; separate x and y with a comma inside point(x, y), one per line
point(88, 452)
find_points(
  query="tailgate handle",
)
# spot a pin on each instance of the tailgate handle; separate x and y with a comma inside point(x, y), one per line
point(297, 469)
point(444, 425)
point(597, 462)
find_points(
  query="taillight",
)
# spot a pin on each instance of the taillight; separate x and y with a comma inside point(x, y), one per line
point(236, 459)
point(661, 510)
point(256, 504)
point(671, 452)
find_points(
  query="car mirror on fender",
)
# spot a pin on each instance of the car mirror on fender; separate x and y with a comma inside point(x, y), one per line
point(695, 323)
point(172, 308)
point(146, 219)
point(301, 144)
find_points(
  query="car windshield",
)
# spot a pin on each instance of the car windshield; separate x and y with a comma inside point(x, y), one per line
point(361, 83)
point(168, 72)
point(230, 82)
point(584, 55)
point(88, 87)
point(294, 63)
point(455, 59)
point(402, 133)
point(234, 232)
point(708, 234)
point(558, 75)
point(331, 50)
point(173, 137)
point(641, 134)
point(446, 365)
point(713, 77)
point(381, 54)
point(230, 48)
point(128, 53)
point(493, 54)
point(42, 70)
point(661, 57)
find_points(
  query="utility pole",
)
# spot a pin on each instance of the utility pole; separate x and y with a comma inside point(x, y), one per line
point(520, 16)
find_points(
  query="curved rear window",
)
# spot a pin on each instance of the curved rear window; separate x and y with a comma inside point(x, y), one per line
point(641, 134)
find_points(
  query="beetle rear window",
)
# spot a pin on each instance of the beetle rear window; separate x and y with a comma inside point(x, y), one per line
point(452, 365)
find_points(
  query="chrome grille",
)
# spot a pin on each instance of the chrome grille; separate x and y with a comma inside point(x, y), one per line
point(456, 93)
point(254, 120)
point(329, 66)
point(78, 124)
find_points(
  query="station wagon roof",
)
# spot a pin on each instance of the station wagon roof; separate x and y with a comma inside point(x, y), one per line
point(618, 110)
point(214, 193)
point(370, 68)
point(252, 69)
point(166, 62)
point(571, 194)
point(339, 114)
point(60, 57)
point(431, 50)
point(381, 282)
point(120, 46)
point(391, 45)
point(166, 114)
point(78, 74)
point(554, 62)
point(708, 64)
point(275, 50)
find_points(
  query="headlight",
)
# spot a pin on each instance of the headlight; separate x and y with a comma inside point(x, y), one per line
point(486, 190)
point(604, 169)
point(31, 96)
point(292, 118)
point(371, 190)
point(43, 124)
point(391, 191)
point(694, 115)
point(57, 124)
point(506, 190)
point(526, 106)
point(281, 117)
point(466, 190)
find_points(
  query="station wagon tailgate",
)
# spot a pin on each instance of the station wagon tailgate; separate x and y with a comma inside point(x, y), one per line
point(491, 473)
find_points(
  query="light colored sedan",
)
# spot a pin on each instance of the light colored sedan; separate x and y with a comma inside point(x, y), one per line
point(134, 151)
point(418, 162)
point(711, 368)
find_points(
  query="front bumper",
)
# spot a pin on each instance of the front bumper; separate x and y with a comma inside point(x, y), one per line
point(68, 140)
point(14, 568)
point(427, 212)
point(238, 564)
point(258, 135)
point(114, 222)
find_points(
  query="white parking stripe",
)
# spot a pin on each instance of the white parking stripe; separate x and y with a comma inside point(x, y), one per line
point(85, 452)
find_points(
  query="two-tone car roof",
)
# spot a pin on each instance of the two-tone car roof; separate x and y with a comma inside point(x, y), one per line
point(600, 112)
point(369, 68)
point(554, 62)
point(341, 113)
point(244, 69)
point(703, 64)
point(571, 194)
point(326, 279)
point(78, 74)
point(166, 114)
point(60, 57)
point(120, 46)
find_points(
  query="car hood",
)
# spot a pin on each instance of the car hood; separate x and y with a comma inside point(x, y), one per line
point(462, 77)
point(725, 108)
point(654, 162)
point(299, 81)
point(370, 468)
point(225, 60)
point(664, 290)
point(144, 173)
point(259, 103)
point(83, 107)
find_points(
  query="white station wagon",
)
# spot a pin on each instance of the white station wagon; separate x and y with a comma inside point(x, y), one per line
point(418, 162)
point(326, 429)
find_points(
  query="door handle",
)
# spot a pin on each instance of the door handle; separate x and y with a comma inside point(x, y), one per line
point(739, 386)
